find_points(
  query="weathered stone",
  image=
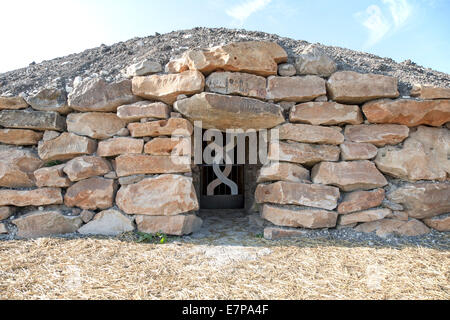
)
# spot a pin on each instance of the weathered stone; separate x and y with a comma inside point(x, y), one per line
point(399, 215)
point(49, 99)
point(132, 179)
point(276, 233)
point(387, 227)
point(349, 176)
point(6, 212)
point(87, 215)
point(165, 195)
point(353, 87)
point(311, 195)
point(52, 177)
point(423, 200)
point(307, 154)
point(174, 225)
point(168, 87)
point(168, 146)
point(50, 135)
point(173, 126)
point(296, 89)
point(310, 134)
point(46, 223)
point(361, 200)
point(377, 134)
point(255, 57)
point(3, 228)
point(36, 197)
point(243, 84)
point(440, 223)
point(97, 125)
point(230, 112)
point(430, 92)
point(132, 164)
point(358, 151)
point(93, 193)
point(108, 223)
point(12, 103)
point(143, 109)
point(37, 120)
point(66, 146)
point(17, 167)
point(283, 171)
point(118, 146)
point(313, 61)
point(364, 216)
point(408, 112)
point(286, 70)
point(19, 137)
point(326, 113)
point(143, 68)
point(424, 156)
point(86, 167)
point(299, 218)
point(97, 95)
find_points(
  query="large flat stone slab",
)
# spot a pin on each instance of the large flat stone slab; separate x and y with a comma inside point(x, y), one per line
point(172, 225)
point(230, 112)
point(49, 99)
point(168, 87)
point(353, 87)
point(12, 103)
point(133, 164)
point(349, 176)
point(295, 89)
point(310, 134)
point(36, 120)
point(237, 83)
point(299, 218)
point(408, 112)
point(143, 109)
point(20, 137)
point(364, 216)
point(430, 92)
point(326, 113)
point(96, 125)
point(255, 57)
point(307, 154)
point(361, 200)
point(291, 193)
point(117, 146)
point(66, 146)
point(35, 197)
point(377, 134)
point(165, 195)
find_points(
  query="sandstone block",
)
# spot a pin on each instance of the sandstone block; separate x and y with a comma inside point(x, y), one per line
point(132, 164)
point(17, 167)
point(108, 223)
point(66, 146)
point(439, 223)
point(353, 87)
point(143, 109)
point(299, 218)
point(12, 103)
point(230, 112)
point(52, 177)
point(377, 134)
point(49, 99)
point(291, 193)
point(168, 146)
point(168, 87)
point(86, 167)
point(358, 151)
point(46, 223)
point(117, 146)
point(20, 137)
point(364, 216)
point(165, 195)
point(236, 83)
point(35, 197)
point(361, 200)
point(310, 134)
point(296, 89)
point(96, 95)
point(173, 126)
point(326, 113)
point(36, 120)
point(255, 57)
point(349, 176)
point(93, 193)
point(430, 92)
point(302, 153)
point(172, 225)
point(283, 171)
point(313, 61)
point(387, 227)
point(143, 68)
point(96, 125)
point(408, 112)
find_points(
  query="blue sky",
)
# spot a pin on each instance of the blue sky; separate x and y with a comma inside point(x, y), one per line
point(400, 29)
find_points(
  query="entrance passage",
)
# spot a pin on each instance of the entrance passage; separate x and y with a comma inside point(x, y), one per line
point(222, 187)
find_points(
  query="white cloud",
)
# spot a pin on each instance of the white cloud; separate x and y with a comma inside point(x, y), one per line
point(379, 25)
point(244, 10)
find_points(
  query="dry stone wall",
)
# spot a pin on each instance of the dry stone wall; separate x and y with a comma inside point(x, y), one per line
point(351, 153)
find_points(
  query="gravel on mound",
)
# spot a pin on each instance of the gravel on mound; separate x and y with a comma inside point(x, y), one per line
point(109, 61)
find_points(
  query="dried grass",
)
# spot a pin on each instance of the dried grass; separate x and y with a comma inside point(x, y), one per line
point(306, 269)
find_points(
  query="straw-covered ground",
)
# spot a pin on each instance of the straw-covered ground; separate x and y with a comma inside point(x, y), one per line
point(259, 269)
